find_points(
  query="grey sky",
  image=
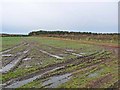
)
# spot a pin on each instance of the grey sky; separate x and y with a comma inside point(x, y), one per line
point(24, 16)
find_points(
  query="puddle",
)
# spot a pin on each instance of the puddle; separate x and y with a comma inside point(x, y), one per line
point(62, 55)
point(26, 59)
point(69, 50)
point(95, 73)
point(58, 57)
point(55, 81)
point(6, 51)
point(40, 63)
point(10, 65)
point(26, 51)
point(76, 54)
point(23, 82)
point(82, 53)
point(28, 66)
point(7, 55)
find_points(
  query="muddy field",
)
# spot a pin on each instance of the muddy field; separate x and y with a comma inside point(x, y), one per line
point(35, 62)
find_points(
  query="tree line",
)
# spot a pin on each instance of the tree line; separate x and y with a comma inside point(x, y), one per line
point(66, 32)
point(12, 35)
point(77, 35)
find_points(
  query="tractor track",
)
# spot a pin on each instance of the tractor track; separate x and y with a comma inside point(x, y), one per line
point(74, 61)
point(45, 69)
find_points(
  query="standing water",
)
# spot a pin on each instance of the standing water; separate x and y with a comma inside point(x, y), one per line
point(18, 84)
point(55, 81)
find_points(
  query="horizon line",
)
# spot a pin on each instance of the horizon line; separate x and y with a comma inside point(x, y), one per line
point(58, 30)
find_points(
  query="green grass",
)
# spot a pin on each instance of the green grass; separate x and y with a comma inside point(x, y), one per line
point(79, 79)
point(72, 43)
point(0, 43)
point(55, 42)
point(65, 44)
point(8, 42)
point(24, 71)
point(18, 72)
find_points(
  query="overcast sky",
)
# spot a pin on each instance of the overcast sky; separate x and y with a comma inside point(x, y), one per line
point(23, 16)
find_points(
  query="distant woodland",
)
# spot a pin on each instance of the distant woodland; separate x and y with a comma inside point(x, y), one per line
point(77, 35)
point(71, 35)
point(12, 35)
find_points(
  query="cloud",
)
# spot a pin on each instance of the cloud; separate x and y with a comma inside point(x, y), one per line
point(37, 1)
point(88, 16)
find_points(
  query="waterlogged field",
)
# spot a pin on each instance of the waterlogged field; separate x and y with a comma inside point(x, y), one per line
point(42, 62)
